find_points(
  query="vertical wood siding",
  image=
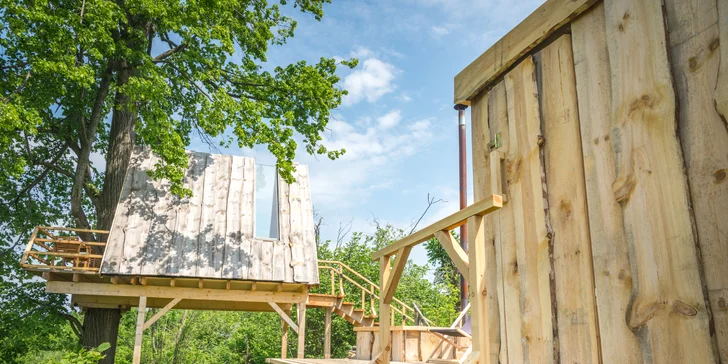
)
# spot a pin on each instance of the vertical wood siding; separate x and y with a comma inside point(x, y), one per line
point(611, 247)
point(211, 233)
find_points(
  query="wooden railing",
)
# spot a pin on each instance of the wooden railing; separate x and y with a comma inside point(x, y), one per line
point(61, 249)
point(393, 259)
point(370, 291)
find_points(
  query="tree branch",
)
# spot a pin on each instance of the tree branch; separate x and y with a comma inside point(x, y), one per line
point(79, 183)
point(41, 176)
point(170, 52)
point(430, 202)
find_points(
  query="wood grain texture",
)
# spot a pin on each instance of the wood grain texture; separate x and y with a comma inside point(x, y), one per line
point(668, 309)
point(478, 290)
point(721, 89)
point(284, 208)
point(234, 229)
point(508, 50)
point(573, 275)
point(114, 253)
point(695, 49)
point(531, 236)
point(610, 252)
point(209, 234)
point(505, 239)
point(309, 235)
point(483, 187)
point(138, 222)
point(183, 257)
point(296, 240)
point(248, 218)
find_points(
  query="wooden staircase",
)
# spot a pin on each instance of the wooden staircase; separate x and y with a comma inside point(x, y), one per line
point(357, 316)
point(365, 294)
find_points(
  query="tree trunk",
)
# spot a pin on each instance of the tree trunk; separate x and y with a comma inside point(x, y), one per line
point(101, 325)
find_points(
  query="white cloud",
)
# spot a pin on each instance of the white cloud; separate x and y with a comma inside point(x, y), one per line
point(439, 31)
point(371, 159)
point(373, 80)
point(389, 119)
point(404, 97)
point(362, 52)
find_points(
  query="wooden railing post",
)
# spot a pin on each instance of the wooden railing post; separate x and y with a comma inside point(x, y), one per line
point(372, 311)
point(333, 282)
point(478, 312)
point(341, 281)
point(385, 315)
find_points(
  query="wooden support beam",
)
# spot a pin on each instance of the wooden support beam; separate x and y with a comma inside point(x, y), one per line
point(543, 22)
point(284, 336)
point(301, 329)
point(477, 292)
point(456, 253)
point(327, 333)
point(107, 289)
point(385, 333)
point(480, 208)
point(137, 358)
point(396, 274)
point(160, 313)
point(283, 315)
point(446, 339)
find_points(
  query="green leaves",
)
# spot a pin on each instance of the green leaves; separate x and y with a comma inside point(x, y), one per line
point(80, 80)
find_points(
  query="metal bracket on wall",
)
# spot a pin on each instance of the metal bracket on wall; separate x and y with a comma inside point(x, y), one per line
point(496, 143)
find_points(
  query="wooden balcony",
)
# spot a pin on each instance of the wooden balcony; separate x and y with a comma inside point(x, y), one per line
point(61, 249)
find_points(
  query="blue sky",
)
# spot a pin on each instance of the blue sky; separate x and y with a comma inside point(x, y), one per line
point(397, 124)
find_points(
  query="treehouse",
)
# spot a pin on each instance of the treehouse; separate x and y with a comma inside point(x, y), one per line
point(244, 240)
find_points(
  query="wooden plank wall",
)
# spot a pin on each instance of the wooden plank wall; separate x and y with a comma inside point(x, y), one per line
point(211, 233)
point(612, 246)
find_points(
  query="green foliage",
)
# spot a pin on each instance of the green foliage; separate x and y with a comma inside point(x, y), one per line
point(179, 66)
point(84, 356)
point(71, 74)
point(445, 271)
point(249, 337)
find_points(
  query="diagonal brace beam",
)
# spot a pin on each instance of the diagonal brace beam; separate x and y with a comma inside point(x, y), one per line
point(395, 274)
point(284, 316)
point(456, 253)
point(161, 312)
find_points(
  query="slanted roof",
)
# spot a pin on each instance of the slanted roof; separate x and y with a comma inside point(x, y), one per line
point(211, 234)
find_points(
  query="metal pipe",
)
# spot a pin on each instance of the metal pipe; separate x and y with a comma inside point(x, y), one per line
point(463, 165)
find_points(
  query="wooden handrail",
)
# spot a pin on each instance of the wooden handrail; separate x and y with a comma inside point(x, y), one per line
point(480, 208)
point(364, 279)
point(46, 250)
point(364, 290)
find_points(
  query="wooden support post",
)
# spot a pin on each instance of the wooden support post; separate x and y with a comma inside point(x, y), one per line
point(327, 333)
point(301, 329)
point(333, 282)
point(139, 331)
point(478, 312)
point(384, 313)
point(284, 336)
